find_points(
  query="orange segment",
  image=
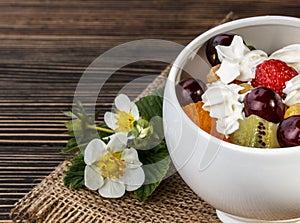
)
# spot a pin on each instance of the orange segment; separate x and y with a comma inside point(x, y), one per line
point(292, 110)
point(202, 119)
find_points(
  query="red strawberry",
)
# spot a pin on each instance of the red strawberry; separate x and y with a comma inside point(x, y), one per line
point(273, 74)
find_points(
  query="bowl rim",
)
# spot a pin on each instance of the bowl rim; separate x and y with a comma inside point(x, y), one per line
point(205, 36)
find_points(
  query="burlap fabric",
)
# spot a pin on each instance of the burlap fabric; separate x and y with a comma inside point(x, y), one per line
point(52, 202)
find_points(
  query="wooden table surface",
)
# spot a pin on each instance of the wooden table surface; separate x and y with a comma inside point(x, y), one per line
point(46, 45)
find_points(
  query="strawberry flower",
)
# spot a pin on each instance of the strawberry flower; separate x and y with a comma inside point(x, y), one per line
point(125, 115)
point(112, 168)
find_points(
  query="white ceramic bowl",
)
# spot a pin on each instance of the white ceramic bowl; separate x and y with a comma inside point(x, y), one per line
point(243, 184)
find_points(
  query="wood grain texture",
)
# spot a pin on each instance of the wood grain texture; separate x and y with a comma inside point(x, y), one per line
point(46, 45)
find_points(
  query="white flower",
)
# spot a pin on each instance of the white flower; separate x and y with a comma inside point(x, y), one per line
point(111, 169)
point(126, 113)
point(238, 62)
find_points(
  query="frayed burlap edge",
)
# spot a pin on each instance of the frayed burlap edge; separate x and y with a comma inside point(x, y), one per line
point(52, 202)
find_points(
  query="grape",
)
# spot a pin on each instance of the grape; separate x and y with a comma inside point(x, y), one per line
point(211, 52)
point(189, 90)
point(265, 103)
point(288, 132)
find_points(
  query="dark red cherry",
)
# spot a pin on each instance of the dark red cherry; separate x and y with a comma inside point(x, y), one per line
point(189, 90)
point(288, 132)
point(265, 103)
point(211, 52)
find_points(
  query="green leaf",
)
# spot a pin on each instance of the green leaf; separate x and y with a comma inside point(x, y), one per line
point(71, 147)
point(70, 114)
point(152, 150)
point(251, 47)
point(156, 163)
point(97, 113)
point(74, 176)
point(150, 106)
point(159, 92)
point(69, 126)
point(80, 124)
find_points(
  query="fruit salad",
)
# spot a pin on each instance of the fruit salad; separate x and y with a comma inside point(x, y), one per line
point(250, 98)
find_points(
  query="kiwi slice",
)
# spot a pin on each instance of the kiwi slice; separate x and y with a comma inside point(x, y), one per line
point(257, 132)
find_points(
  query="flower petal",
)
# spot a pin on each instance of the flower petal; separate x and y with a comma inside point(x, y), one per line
point(94, 150)
point(133, 178)
point(92, 179)
point(117, 142)
point(131, 158)
point(110, 120)
point(122, 103)
point(134, 111)
point(112, 189)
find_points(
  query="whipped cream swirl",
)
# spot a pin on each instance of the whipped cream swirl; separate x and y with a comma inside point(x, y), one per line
point(223, 103)
point(237, 61)
point(289, 54)
point(292, 91)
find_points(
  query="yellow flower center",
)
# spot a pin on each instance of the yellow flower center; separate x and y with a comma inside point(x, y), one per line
point(124, 122)
point(111, 166)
